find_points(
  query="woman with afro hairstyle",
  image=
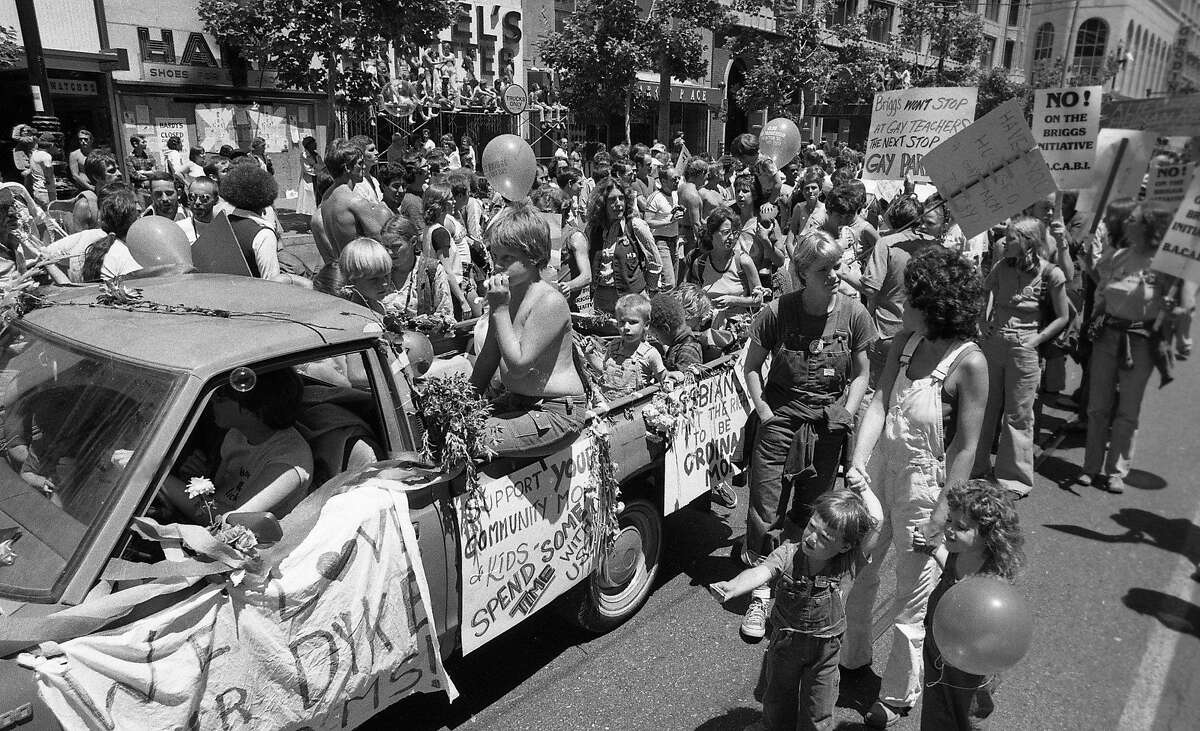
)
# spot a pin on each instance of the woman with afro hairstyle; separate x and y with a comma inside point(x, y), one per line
point(251, 191)
point(919, 435)
point(621, 248)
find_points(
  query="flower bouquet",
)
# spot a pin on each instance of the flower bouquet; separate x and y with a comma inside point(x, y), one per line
point(456, 435)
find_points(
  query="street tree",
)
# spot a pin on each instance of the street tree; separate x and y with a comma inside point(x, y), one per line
point(954, 32)
point(324, 45)
point(10, 50)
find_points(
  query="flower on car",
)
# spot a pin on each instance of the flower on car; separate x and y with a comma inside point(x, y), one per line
point(199, 487)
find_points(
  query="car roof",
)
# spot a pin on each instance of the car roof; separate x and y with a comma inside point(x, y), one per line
point(267, 320)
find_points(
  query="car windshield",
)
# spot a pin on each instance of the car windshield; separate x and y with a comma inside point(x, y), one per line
point(72, 421)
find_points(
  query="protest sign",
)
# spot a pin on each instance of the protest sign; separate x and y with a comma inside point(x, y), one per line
point(702, 451)
point(990, 170)
point(214, 126)
point(532, 542)
point(1065, 125)
point(336, 631)
point(1179, 252)
point(908, 123)
point(1132, 165)
point(167, 127)
point(1172, 115)
point(270, 123)
point(1168, 182)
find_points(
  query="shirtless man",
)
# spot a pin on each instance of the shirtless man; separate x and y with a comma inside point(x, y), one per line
point(344, 215)
point(529, 342)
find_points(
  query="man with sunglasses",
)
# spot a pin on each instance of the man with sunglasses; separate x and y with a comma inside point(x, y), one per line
point(201, 197)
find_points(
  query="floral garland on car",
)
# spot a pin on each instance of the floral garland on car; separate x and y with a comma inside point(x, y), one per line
point(601, 494)
point(456, 435)
point(669, 408)
point(238, 537)
point(396, 317)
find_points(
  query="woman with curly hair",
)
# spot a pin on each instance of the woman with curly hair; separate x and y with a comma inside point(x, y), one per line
point(251, 191)
point(1018, 288)
point(918, 436)
point(817, 339)
point(621, 248)
point(757, 230)
point(1137, 311)
point(438, 243)
point(724, 272)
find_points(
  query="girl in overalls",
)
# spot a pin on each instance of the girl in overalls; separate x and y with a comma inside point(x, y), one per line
point(1016, 288)
point(818, 340)
point(799, 679)
point(621, 248)
point(919, 434)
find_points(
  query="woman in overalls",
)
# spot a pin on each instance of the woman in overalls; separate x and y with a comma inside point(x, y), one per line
point(621, 248)
point(818, 340)
point(919, 434)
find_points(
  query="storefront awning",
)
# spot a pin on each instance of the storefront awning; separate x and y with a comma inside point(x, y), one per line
point(116, 59)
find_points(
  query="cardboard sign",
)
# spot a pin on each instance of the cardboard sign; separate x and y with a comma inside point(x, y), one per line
point(990, 170)
point(339, 630)
point(1168, 183)
point(907, 124)
point(1179, 253)
point(1066, 123)
point(1134, 161)
point(1173, 115)
point(701, 454)
point(216, 251)
point(531, 544)
point(167, 127)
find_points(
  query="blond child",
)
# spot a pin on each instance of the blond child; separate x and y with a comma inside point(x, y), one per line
point(629, 363)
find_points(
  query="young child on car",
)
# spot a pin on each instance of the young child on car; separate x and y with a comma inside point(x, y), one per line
point(800, 668)
point(668, 325)
point(629, 363)
point(699, 318)
point(982, 536)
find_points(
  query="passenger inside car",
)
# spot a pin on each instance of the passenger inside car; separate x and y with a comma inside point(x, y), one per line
point(264, 464)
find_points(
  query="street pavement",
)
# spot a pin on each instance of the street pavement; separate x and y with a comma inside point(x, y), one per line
point(1116, 618)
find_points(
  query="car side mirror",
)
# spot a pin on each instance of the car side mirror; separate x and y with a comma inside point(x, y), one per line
point(264, 525)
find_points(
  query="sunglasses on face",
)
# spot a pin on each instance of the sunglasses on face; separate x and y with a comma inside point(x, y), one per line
point(201, 198)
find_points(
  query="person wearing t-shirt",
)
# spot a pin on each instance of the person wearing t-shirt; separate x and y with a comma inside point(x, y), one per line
point(107, 258)
point(817, 339)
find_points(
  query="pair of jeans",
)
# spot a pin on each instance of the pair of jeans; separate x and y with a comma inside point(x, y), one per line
point(1111, 436)
point(1014, 374)
point(800, 679)
point(770, 499)
point(666, 254)
point(524, 426)
point(954, 699)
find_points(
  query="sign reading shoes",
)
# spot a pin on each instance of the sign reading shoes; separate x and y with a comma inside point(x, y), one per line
point(164, 59)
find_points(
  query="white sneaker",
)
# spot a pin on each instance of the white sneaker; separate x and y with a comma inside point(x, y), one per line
point(754, 623)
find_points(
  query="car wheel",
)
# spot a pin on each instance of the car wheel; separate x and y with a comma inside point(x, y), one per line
point(621, 585)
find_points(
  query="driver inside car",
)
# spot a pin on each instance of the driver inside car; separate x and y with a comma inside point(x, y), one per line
point(264, 463)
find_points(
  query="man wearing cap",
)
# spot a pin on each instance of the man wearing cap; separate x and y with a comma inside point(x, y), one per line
point(659, 151)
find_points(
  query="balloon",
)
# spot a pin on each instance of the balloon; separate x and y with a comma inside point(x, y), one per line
point(779, 140)
point(159, 245)
point(982, 625)
point(510, 166)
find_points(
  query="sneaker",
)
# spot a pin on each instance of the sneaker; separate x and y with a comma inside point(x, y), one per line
point(1116, 485)
point(754, 623)
point(1084, 479)
point(723, 495)
point(883, 715)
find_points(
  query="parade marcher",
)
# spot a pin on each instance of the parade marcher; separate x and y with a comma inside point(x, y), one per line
point(1136, 311)
point(39, 175)
point(438, 242)
point(164, 198)
point(368, 187)
point(723, 271)
point(344, 214)
point(982, 538)
point(109, 257)
point(576, 282)
point(139, 164)
point(662, 215)
point(311, 165)
point(817, 339)
point(629, 363)
point(251, 190)
point(919, 434)
point(100, 168)
point(800, 677)
point(758, 232)
point(173, 157)
point(621, 249)
point(416, 177)
point(694, 214)
point(202, 196)
point(258, 152)
point(419, 283)
point(1027, 307)
point(807, 209)
point(367, 266)
point(528, 343)
point(77, 158)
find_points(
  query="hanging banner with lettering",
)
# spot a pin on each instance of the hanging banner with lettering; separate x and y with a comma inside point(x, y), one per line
point(531, 543)
point(990, 170)
point(908, 123)
point(1179, 252)
point(1168, 183)
point(334, 632)
point(1167, 115)
point(705, 444)
point(214, 126)
point(270, 123)
point(1066, 123)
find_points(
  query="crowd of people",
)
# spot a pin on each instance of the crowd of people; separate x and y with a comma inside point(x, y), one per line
point(896, 369)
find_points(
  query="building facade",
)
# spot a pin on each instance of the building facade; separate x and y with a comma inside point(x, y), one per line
point(1137, 48)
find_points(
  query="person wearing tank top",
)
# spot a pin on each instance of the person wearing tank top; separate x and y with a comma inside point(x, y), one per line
point(918, 436)
point(724, 272)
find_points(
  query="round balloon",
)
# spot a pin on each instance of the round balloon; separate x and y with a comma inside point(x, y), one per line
point(156, 242)
point(509, 166)
point(982, 625)
point(779, 140)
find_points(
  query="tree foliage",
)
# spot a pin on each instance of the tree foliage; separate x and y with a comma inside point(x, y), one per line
point(10, 50)
point(324, 45)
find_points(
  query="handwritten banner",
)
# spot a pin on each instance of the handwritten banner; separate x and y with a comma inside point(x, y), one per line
point(338, 631)
point(907, 124)
point(167, 127)
point(990, 170)
point(702, 452)
point(1168, 183)
point(1066, 123)
point(1179, 253)
point(1132, 166)
point(532, 543)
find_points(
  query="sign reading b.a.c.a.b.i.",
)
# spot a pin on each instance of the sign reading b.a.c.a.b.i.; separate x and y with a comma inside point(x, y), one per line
point(1065, 125)
point(1179, 252)
point(908, 123)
